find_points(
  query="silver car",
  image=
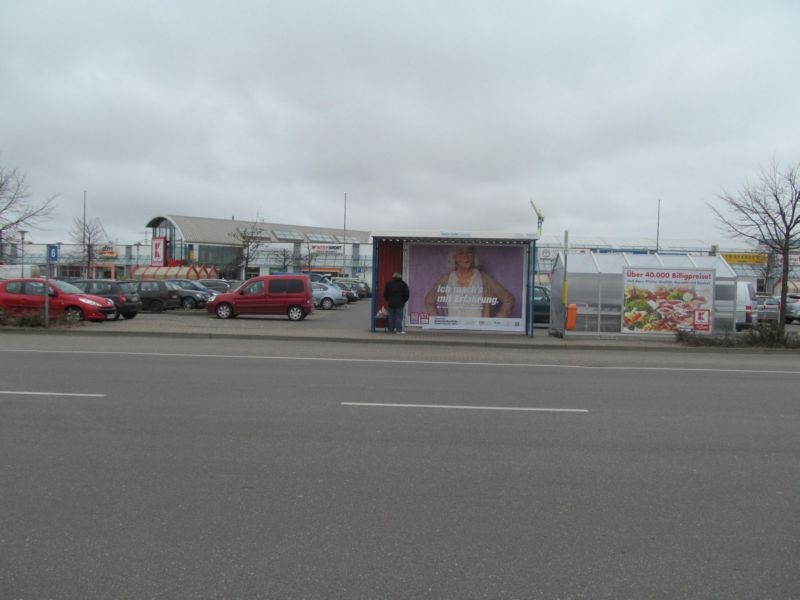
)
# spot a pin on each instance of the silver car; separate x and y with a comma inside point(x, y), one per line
point(327, 296)
point(792, 307)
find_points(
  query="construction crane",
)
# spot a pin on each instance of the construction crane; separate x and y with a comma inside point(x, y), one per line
point(539, 218)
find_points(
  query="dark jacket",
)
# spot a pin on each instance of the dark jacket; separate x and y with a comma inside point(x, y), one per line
point(396, 293)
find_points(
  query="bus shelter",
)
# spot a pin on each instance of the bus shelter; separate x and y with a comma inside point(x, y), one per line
point(636, 294)
point(473, 281)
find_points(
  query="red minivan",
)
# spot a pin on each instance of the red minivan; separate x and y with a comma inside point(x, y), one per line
point(288, 295)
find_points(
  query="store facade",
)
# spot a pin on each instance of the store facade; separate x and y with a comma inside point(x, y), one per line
point(241, 249)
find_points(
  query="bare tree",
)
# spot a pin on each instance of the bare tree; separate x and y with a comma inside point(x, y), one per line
point(769, 270)
point(283, 257)
point(17, 210)
point(250, 239)
point(87, 235)
point(305, 259)
point(767, 212)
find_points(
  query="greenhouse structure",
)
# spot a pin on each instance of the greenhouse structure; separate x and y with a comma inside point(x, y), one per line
point(635, 294)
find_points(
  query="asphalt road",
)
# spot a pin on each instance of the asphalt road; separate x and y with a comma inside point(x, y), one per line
point(267, 469)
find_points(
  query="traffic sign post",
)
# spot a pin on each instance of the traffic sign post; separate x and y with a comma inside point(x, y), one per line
point(52, 257)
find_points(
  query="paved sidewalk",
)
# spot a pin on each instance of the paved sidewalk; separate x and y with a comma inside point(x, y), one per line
point(346, 324)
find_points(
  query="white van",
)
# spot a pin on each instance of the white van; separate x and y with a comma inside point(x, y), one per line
point(746, 315)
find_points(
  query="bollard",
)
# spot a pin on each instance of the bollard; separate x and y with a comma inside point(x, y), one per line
point(572, 315)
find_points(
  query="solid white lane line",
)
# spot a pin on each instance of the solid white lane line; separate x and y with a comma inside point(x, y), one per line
point(462, 407)
point(12, 393)
point(412, 362)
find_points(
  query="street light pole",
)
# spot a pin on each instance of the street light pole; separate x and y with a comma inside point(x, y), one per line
point(344, 238)
point(658, 224)
point(22, 232)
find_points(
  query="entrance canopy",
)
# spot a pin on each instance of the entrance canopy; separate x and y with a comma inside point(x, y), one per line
point(175, 272)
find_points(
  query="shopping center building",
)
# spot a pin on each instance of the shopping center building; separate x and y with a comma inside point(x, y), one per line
point(238, 249)
point(231, 248)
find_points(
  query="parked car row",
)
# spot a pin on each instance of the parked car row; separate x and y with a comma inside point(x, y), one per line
point(124, 294)
point(792, 308)
point(361, 287)
point(293, 295)
point(27, 296)
point(127, 298)
point(753, 308)
point(191, 293)
point(153, 295)
point(327, 296)
point(220, 286)
point(767, 309)
point(102, 299)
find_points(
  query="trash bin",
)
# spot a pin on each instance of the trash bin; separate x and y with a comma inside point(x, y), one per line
point(572, 315)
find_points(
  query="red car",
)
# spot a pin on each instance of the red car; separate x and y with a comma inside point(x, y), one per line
point(26, 296)
point(288, 295)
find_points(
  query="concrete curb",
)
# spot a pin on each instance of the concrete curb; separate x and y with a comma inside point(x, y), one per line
point(539, 344)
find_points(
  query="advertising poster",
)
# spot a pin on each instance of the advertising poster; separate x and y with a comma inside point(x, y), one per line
point(478, 287)
point(158, 249)
point(108, 250)
point(667, 300)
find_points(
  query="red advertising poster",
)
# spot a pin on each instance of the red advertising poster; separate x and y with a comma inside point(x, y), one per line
point(702, 320)
point(158, 256)
point(477, 287)
point(667, 300)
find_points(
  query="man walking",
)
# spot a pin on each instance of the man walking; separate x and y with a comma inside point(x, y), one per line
point(396, 295)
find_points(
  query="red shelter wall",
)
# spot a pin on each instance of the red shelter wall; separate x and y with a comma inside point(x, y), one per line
point(390, 261)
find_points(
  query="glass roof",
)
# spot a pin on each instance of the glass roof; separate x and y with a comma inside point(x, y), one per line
point(285, 234)
point(614, 263)
point(320, 237)
point(348, 239)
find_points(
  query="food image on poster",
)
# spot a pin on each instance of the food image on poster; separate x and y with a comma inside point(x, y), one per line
point(667, 301)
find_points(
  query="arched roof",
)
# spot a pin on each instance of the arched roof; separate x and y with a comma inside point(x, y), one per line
point(202, 230)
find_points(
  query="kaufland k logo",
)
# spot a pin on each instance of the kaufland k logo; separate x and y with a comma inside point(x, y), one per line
point(157, 252)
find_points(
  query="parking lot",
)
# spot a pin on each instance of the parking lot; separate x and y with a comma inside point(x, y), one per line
point(342, 320)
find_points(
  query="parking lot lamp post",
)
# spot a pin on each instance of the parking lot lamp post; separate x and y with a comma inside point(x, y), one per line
point(22, 232)
point(56, 267)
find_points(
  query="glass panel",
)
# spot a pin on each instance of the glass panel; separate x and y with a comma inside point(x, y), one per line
point(254, 289)
point(295, 286)
point(277, 286)
point(283, 234)
point(347, 239)
point(320, 237)
point(34, 288)
point(65, 287)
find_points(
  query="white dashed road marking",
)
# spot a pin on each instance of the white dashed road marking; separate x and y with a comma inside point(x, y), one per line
point(461, 407)
point(13, 393)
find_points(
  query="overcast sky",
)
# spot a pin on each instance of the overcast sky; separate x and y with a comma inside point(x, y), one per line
point(427, 114)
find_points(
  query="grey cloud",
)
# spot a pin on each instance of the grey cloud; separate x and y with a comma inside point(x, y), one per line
point(447, 114)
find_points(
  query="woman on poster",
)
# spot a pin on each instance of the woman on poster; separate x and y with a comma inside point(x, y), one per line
point(466, 291)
